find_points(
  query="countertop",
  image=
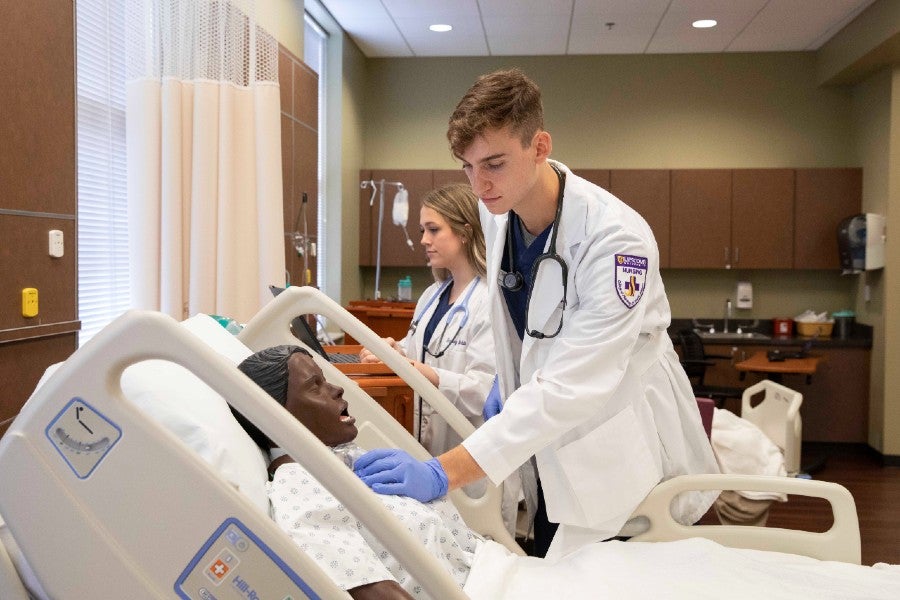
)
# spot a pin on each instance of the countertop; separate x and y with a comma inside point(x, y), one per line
point(860, 336)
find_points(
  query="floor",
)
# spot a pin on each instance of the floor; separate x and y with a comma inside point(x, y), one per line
point(875, 489)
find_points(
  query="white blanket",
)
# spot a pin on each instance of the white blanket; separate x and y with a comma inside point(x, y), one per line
point(692, 569)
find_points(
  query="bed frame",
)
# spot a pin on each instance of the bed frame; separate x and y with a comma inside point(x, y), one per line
point(271, 326)
point(55, 515)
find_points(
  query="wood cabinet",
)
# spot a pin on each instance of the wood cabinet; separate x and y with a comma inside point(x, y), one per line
point(387, 319)
point(824, 198)
point(762, 218)
point(740, 218)
point(835, 400)
point(701, 219)
point(647, 192)
point(392, 394)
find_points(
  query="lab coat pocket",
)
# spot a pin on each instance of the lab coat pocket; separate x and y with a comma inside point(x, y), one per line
point(611, 469)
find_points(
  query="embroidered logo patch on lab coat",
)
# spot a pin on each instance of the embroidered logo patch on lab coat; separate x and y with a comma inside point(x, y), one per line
point(631, 275)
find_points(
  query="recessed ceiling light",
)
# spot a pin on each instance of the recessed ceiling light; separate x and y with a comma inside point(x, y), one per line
point(440, 27)
point(704, 23)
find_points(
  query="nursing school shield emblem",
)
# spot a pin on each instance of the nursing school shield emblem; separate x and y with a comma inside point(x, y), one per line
point(631, 275)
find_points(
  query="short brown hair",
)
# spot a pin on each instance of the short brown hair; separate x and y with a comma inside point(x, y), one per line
point(458, 204)
point(497, 100)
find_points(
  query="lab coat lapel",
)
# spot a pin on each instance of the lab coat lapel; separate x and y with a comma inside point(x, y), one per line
point(546, 301)
point(505, 335)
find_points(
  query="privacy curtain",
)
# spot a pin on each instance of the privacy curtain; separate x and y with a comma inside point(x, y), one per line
point(203, 140)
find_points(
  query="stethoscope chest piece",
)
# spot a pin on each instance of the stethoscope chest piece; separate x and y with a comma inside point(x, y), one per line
point(511, 280)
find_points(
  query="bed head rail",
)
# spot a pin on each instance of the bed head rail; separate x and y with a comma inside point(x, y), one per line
point(271, 326)
point(841, 542)
point(135, 502)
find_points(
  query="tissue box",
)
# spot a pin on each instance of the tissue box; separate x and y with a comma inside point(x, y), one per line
point(820, 329)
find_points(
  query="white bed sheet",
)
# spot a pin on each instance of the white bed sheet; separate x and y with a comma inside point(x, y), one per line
point(691, 569)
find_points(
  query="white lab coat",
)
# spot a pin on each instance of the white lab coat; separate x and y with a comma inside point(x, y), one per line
point(605, 406)
point(466, 370)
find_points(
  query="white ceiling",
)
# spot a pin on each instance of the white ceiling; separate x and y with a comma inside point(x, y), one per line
point(396, 28)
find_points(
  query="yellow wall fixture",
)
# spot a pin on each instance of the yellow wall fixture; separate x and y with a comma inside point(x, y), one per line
point(29, 302)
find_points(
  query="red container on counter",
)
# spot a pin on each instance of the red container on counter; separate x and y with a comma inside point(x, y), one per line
point(783, 327)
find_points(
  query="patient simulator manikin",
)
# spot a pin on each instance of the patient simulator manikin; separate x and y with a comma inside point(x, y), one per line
point(357, 562)
point(316, 521)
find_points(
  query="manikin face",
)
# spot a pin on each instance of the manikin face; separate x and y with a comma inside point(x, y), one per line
point(443, 247)
point(319, 405)
point(503, 174)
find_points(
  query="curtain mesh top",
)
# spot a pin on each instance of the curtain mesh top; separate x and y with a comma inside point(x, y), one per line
point(198, 40)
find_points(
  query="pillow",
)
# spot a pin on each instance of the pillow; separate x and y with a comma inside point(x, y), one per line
point(198, 415)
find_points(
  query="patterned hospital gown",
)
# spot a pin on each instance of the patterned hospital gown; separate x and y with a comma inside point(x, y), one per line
point(321, 526)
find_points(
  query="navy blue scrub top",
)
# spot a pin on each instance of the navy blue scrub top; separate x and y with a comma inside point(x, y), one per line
point(517, 302)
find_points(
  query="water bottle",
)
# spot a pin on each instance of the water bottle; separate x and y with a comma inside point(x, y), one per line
point(404, 289)
point(230, 325)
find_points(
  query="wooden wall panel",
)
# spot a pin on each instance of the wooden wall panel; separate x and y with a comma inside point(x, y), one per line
point(37, 101)
point(25, 262)
point(20, 376)
point(300, 154)
point(38, 193)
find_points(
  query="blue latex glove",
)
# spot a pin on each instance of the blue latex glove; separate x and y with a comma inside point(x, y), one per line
point(492, 405)
point(394, 472)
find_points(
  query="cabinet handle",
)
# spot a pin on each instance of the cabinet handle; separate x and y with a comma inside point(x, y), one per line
point(727, 256)
point(737, 255)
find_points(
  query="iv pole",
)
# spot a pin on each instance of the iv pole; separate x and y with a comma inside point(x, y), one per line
point(378, 187)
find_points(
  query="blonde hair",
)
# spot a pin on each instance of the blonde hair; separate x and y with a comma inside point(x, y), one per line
point(497, 100)
point(458, 204)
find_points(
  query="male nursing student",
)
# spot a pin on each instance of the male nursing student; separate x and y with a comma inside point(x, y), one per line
point(589, 383)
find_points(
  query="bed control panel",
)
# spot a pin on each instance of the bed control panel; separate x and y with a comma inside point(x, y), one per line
point(235, 564)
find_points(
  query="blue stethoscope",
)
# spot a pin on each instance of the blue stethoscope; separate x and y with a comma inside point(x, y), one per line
point(460, 309)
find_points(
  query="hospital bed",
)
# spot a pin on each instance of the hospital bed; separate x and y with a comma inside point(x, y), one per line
point(122, 504)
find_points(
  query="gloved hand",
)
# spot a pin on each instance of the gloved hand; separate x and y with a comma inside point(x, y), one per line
point(394, 472)
point(492, 404)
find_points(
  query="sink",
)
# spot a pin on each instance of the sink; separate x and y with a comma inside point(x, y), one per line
point(724, 336)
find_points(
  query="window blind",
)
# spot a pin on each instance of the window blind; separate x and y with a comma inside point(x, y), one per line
point(314, 40)
point(103, 286)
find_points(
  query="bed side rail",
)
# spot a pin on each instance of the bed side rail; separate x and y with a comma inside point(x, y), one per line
point(840, 542)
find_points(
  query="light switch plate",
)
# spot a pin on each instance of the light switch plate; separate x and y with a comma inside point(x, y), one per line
point(57, 246)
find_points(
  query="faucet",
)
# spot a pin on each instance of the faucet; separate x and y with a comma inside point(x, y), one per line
point(727, 315)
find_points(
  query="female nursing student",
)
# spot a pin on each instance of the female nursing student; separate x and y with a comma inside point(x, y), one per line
point(449, 339)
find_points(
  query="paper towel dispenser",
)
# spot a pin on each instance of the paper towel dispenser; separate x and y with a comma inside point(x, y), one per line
point(861, 243)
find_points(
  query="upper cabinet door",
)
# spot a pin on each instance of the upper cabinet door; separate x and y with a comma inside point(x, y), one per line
point(701, 219)
point(762, 218)
point(596, 176)
point(441, 177)
point(824, 198)
point(647, 192)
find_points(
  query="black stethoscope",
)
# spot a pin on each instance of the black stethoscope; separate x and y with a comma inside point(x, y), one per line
point(513, 280)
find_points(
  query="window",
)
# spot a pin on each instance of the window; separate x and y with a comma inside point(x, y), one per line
point(103, 286)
